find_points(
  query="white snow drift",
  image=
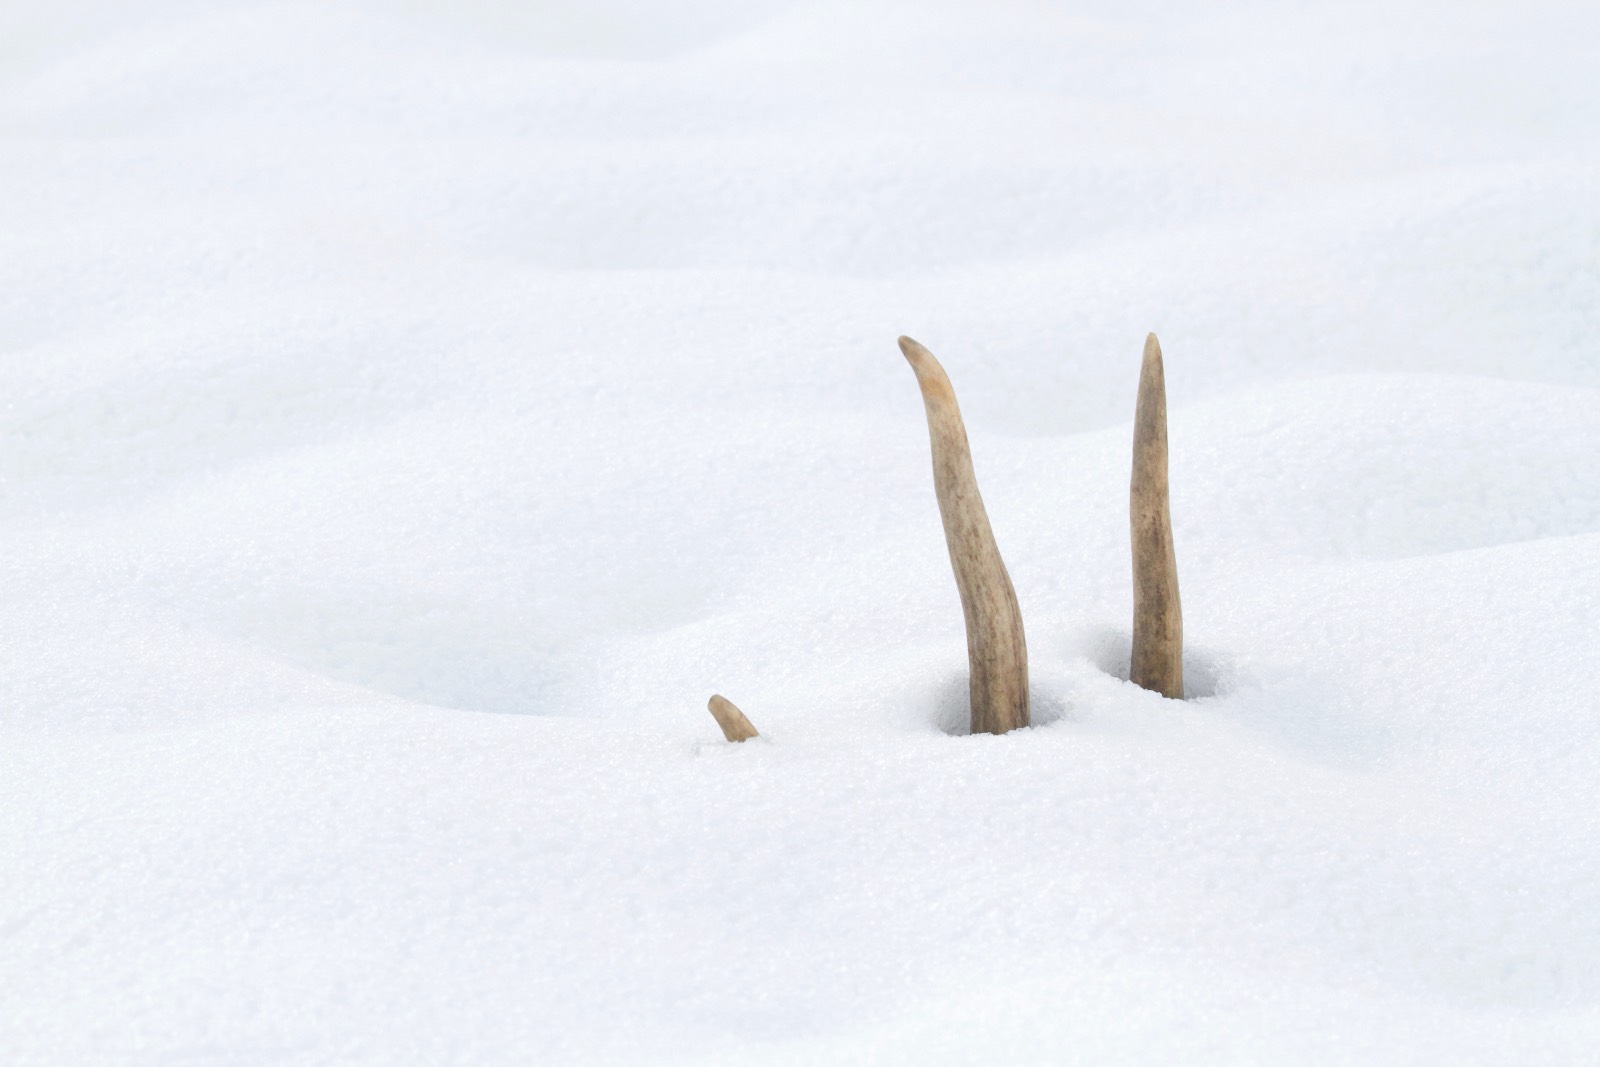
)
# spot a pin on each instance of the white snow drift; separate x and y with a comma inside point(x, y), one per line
point(410, 413)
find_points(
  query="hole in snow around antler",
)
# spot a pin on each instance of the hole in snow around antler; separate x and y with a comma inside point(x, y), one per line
point(1206, 673)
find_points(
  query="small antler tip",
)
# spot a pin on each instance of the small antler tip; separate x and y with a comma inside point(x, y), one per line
point(735, 727)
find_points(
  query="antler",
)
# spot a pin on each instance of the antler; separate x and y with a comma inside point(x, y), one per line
point(997, 653)
point(1157, 615)
point(735, 727)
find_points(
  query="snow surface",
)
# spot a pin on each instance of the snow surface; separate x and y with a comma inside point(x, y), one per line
point(412, 411)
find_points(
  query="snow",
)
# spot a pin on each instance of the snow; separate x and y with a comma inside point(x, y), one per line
point(411, 413)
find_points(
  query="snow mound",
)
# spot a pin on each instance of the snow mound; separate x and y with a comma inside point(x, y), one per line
point(410, 413)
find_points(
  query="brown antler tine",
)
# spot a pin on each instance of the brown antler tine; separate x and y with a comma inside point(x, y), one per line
point(997, 652)
point(1157, 615)
point(735, 727)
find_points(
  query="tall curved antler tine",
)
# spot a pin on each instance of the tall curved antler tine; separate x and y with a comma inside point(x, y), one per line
point(1157, 616)
point(997, 653)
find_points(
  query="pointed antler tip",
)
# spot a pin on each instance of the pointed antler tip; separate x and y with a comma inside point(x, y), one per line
point(1152, 358)
point(735, 726)
point(918, 356)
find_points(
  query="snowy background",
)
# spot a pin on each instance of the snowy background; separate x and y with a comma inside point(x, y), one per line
point(412, 411)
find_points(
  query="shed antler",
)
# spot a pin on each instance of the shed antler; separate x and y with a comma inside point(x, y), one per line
point(997, 654)
point(735, 727)
point(1157, 616)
